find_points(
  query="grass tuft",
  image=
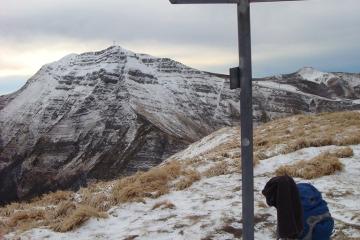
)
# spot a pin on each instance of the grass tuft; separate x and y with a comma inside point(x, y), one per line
point(153, 183)
point(55, 198)
point(220, 168)
point(77, 218)
point(64, 209)
point(344, 152)
point(185, 182)
point(164, 205)
point(22, 216)
point(322, 165)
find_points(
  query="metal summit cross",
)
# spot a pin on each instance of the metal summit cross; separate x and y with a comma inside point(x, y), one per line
point(242, 76)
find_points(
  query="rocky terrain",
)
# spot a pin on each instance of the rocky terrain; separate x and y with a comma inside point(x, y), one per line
point(113, 112)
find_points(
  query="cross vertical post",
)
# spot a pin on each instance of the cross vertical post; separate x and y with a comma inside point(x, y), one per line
point(241, 77)
point(246, 113)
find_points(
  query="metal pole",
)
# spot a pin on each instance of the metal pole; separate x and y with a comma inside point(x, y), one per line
point(244, 28)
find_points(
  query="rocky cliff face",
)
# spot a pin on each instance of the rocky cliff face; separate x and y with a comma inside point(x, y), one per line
point(307, 90)
point(107, 113)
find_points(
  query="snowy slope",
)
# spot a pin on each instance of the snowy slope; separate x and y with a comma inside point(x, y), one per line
point(211, 208)
point(311, 74)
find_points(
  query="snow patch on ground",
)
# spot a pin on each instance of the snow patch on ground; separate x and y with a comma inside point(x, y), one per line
point(278, 86)
point(206, 144)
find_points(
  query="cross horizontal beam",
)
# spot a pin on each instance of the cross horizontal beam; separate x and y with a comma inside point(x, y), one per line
point(221, 1)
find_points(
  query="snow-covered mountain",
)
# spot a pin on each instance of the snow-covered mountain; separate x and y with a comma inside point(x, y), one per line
point(329, 85)
point(107, 113)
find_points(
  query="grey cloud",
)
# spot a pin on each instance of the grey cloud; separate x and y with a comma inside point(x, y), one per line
point(330, 27)
point(124, 21)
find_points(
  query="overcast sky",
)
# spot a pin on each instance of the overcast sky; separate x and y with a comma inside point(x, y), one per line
point(286, 36)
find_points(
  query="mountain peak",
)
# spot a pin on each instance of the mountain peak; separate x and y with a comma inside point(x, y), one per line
point(314, 75)
point(116, 48)
point(112, 50)
point(310, 73)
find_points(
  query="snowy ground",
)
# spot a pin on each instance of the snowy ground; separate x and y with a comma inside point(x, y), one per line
point(211, 208)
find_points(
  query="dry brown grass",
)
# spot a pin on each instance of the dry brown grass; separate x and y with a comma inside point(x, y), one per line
point(220, 168)
point(20, 217)
point(45, 211)
point(164, 205)
point(345, 152)
point(96, 199)
point(77, 218)
point(54, 198)
point(297, 132)
point(186, 181)
point(287, 135)
point(322, 165)
point(63, 211)
point(152, 184)
point(9, 209)
point(66, 216)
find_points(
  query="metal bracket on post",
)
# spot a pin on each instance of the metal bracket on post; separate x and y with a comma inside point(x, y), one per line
point(235, 75)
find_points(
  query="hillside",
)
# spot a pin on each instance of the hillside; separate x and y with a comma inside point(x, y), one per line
point(105, 114)
point(196, 193)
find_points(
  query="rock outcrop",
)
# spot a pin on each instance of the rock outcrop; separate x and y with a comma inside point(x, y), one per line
point(113, 112)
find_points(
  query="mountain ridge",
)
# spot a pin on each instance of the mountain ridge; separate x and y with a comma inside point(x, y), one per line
point(196, 193)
